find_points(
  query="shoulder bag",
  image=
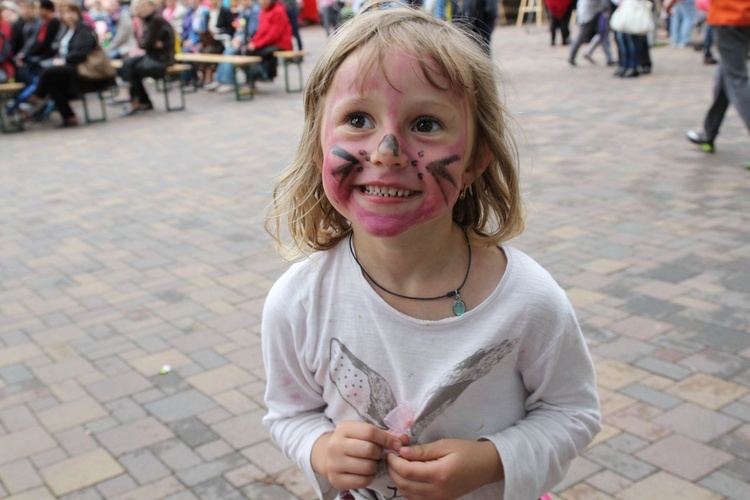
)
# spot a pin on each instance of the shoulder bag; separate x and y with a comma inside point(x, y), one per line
point(96, 66)
point(632, 17)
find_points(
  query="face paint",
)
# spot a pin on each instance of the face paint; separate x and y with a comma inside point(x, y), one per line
point(389, 144)
point(440, 173)
point(394, 146)
point(342, 172)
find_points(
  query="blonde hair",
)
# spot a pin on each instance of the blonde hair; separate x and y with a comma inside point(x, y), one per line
point(491, 212)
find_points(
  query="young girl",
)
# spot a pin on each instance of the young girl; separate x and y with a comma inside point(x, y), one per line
point(410, 355)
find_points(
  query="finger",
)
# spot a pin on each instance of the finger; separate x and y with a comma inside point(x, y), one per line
point(356, 466)
point(424, 452)
point(368, 432)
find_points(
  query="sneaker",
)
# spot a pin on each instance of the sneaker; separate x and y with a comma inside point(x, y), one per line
point(709, 60)
point(225, 88)
point(706, 144)
point(589, 58)
point(212, 86)
point(572, 62)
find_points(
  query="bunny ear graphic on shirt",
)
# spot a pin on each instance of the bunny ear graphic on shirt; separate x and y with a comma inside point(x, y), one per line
point(364, 389)
point(450, 387)
point(372, 398)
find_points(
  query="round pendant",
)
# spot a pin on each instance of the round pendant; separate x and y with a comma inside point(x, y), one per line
point(458, 306)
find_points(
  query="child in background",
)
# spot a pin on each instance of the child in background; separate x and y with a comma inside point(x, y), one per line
point(411, 353)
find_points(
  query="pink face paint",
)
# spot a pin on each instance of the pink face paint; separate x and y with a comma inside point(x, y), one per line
point(379, 143)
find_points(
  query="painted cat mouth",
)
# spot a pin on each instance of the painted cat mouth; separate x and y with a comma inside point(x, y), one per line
point(388, 192)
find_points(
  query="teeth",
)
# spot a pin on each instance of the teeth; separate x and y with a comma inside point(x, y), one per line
point(386, 191)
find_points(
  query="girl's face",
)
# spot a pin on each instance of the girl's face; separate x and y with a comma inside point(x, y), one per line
point(395, 155)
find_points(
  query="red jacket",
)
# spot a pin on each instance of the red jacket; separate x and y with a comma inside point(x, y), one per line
point(729, 13)
point(273, 28)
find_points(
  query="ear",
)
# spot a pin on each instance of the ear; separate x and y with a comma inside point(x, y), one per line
point(477, 167)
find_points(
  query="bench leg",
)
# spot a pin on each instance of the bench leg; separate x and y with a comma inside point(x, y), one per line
point(102, 104)
point(6, 126)
point(250, 82)
point(166, 83)
point(297, 61)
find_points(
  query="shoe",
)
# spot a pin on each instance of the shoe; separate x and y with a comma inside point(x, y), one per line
point(612, 63)
point(225, 88)
point(566, 41)
point(70, 122)
point(619, 71)
point(572, 62)
point(709, 60)
point(212, 86)
point(589, 58)
point(630, 73)
point(116, 102)
point(700, 138)
point(644, 70)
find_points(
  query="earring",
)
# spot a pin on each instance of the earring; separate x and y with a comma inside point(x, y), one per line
point(462, 194)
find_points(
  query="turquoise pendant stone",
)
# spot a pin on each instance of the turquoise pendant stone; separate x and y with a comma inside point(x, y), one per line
point(458, 306)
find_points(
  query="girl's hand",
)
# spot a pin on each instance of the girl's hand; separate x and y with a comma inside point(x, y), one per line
point(445, 469)
point(349, 456)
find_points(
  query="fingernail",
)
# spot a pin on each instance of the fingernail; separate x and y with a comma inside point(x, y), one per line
point(396, 445)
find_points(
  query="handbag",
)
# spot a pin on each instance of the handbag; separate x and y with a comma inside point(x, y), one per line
point(632, 17)
point(96, 66)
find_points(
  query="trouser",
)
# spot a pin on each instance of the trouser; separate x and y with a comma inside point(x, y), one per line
point(269, 62)
point(562, 24)
point(585, 33)
point(731, 80)
point(56, 82)
point(630, 50)
point(330, 17)
point(225, 71)
point(135, 69)
point(293, 15)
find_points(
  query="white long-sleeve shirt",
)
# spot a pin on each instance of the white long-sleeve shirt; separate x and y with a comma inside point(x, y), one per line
point(514, 369)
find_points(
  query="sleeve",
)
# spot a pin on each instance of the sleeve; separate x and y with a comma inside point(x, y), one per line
point(252, 21)
point(562, 410)
point(84, 41)
point(123, 32)
point(274, 31)
point(295, 402)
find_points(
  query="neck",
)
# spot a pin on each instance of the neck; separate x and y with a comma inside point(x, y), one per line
point(425, 264)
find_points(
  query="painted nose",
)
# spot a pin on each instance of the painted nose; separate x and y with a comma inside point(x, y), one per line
point(388, 152)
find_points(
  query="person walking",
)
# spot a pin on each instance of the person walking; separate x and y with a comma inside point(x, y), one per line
point(731, 22)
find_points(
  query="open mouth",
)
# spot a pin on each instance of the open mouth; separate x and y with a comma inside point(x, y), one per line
point(388, 192)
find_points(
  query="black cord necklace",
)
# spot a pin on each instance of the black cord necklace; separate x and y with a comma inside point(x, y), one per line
point(459, 307)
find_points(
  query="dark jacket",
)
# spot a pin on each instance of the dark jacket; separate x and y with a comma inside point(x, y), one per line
point(42, 47)
point(224, 22)
point(157, 29)
point(83, 42)
point(23, 34)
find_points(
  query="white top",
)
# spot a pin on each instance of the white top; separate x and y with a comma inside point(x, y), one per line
point(514, 369)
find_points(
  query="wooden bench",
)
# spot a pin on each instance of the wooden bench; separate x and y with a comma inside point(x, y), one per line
point(289, 57)
point(239, 62)
point(171, 75)
point(8, 91)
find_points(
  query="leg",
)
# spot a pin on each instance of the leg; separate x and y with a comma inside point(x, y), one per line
point(293, 15)
point(225, 71)
point(56, 82)
point(718, 109)
point(733, 43)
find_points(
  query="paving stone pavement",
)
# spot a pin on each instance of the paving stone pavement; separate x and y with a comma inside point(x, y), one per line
point(138, 243)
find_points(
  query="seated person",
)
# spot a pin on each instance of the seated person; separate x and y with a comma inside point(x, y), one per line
point(216, 21)
point(157, 40)
point(42, 48)
point(174, 12)
point(274, 34)
point(121, 39)
point(7, 68)
point(246, 25)
point(61, 81)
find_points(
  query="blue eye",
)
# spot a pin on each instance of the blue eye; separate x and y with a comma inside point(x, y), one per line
point(427, 124)
point(359, 120)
